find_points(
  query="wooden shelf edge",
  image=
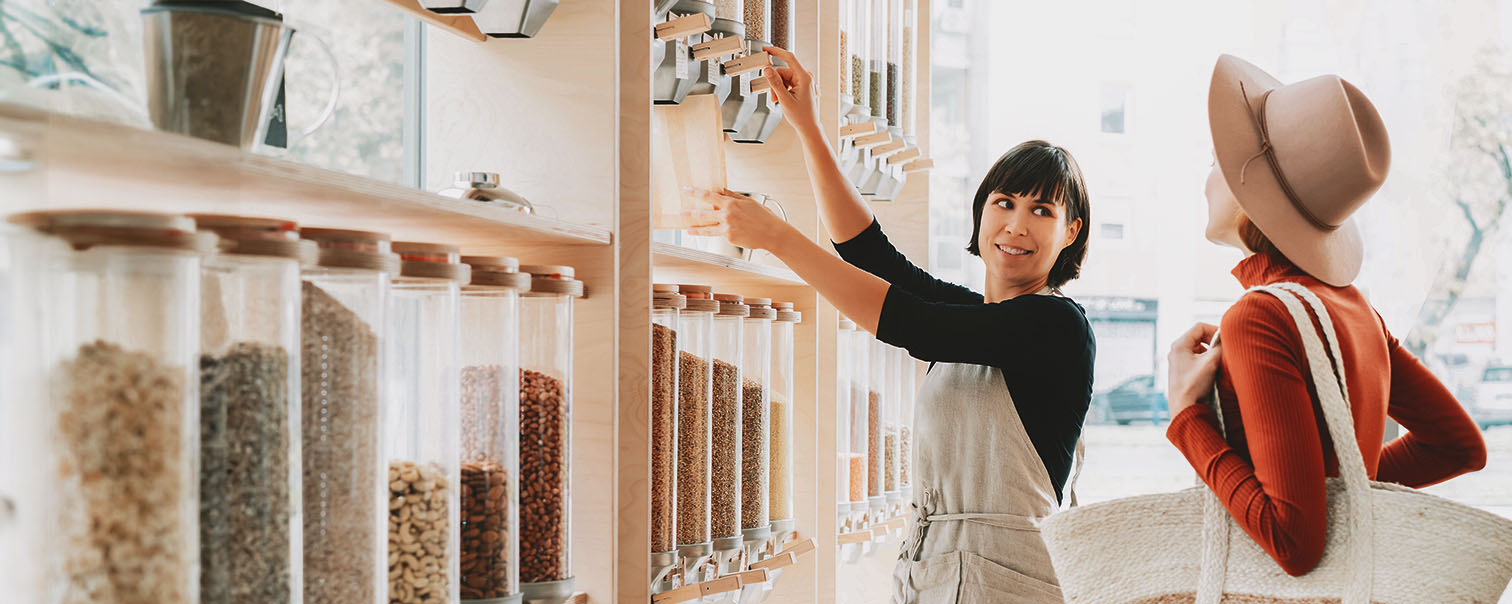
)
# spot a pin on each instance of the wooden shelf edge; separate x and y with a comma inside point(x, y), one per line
point(74, 142)
point(462, 26)
point(679, 257)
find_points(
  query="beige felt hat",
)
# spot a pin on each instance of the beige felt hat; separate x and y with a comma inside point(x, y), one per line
point(1300, 158)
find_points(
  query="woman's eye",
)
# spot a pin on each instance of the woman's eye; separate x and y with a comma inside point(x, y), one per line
point(1043, 211)
point(1003, 203)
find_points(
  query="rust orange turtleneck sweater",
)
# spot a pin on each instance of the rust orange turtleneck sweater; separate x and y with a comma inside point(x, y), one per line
point(1269, 472)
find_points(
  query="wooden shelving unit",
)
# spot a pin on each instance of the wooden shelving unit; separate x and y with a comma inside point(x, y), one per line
point(567, 119)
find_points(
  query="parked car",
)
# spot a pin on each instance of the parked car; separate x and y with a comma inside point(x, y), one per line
point(1489, 399)
point(1134, 399)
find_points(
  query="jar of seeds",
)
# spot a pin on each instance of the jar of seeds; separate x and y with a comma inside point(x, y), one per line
point(490, 414)
point(343, 326)
point(695, 389)
point(119, 310)
point(545, 433)
point(725, 456)
point(780, 498)
point(755, 415)
point(251, 531)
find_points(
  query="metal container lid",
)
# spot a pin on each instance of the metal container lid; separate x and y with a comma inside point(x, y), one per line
point(347, 248)
point(553, 279)
point(89, 228)
point(495, 272)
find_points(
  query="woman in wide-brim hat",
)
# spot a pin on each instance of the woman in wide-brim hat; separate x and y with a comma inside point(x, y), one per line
point(1293, 162)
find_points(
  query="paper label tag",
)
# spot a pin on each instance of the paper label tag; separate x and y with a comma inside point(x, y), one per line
point(680, 50)
point(716, 73)
point(745, 83)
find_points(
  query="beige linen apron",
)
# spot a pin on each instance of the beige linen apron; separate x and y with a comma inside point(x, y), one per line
point(981, 490)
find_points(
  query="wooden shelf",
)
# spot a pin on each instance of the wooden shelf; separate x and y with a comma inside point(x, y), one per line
point(674, 261)
point(461, 25)
point(83, 165)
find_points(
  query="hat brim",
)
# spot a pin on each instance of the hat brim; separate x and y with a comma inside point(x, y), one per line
point(1333, 257)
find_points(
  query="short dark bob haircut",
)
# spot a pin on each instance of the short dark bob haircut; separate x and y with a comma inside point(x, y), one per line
point(1038, 168)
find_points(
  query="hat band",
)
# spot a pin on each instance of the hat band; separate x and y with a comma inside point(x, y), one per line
point(1270, 157)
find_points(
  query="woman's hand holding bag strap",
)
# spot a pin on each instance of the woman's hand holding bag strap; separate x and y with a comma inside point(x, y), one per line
point(1386, 543)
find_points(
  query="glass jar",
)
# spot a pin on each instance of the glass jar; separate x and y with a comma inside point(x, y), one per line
point(860, 401)
point(730, 10)
point(847, 39)
point(422, 425)
point(876, 403)
point(250, 524)
point(694, 422)
point(343, 327)
point(118, 341)
point(895, 26)
point(877, 61)
point(780, 23)
point(781, 394)
point(755, 414)
point(758, 23)
point(907, 52)
point(666, 313)
point(860, 59)
point(906, 423)
point(546, 323)
point(489, 411)
point(724, 458)
point(892, 409)
point(666, 309)
point(843, 368)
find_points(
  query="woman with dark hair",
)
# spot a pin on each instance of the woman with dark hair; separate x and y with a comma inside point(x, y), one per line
point(999, 415)
point(1292, 163)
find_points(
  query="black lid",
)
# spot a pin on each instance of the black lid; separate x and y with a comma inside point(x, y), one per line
point(234, 7)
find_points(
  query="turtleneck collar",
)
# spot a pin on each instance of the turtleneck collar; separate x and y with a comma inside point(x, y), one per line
point(1264, 269)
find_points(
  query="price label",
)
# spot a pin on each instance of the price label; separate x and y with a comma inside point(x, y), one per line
point(716, 73)
point(680, 50)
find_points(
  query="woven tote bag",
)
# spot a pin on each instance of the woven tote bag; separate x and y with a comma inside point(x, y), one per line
point(1386, 544)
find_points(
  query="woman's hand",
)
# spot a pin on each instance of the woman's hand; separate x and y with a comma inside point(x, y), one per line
point(793, 88)
point(1193, 367)
point(742, 220)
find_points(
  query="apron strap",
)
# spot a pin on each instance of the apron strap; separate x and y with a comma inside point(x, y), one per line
point(1004, 521)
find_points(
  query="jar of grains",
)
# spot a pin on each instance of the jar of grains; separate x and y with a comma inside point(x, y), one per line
point(780, 497)
point(694, 418)
point(725, 457)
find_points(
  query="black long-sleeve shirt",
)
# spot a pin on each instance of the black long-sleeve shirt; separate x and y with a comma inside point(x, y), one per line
point(1042, 344)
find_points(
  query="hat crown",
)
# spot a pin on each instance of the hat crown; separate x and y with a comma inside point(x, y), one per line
point(1330, 145)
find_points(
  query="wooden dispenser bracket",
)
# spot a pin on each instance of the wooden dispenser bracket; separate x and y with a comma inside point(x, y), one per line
point(717, 48)
point(904, 156)
point(918, 165)
point(683, 27)
point(889, 148)
point(747, 63)
point(872, 140)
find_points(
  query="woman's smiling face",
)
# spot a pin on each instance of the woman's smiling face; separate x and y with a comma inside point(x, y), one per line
point(1022, 236)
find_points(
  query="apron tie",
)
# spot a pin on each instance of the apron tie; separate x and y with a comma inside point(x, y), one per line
point(923, 515)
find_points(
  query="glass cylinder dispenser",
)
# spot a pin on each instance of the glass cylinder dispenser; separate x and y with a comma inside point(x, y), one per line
point(847, 40)
point(891, 427)
point(343, 326)
point(250, 522)
point(860, 59)
point(860, 401)
point(877, 61)
point(725, 458)
point(546, 320)
point(876, 405)
point(755, 414)
point(895, 26)
point(843, 368)
point(116, 296)
point(906, 423)
point(422, 424)
point(908, 52)
point(695, 390)
point(489, 411)
point(666, 314)
point(781, 429)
